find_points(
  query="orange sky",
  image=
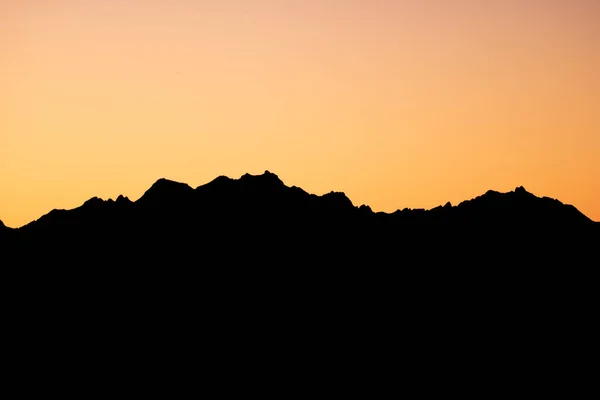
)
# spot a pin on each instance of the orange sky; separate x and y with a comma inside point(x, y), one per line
point(399, 103)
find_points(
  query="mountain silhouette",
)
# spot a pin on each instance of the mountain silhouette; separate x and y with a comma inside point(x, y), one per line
point(260, 216)
point(253, 263)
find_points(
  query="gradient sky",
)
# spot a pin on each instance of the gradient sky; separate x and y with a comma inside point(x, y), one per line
point(399, 103)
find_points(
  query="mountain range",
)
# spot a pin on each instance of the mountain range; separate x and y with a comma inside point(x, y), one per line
point(259, 213)
point(239, 262)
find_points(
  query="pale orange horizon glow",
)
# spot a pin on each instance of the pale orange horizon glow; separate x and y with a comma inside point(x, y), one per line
point(399, 103)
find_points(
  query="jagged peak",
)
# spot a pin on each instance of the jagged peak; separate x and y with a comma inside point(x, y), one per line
point(164, 182)
point(266, 174)
point(339, 198)
point(122, 199)
point(269, 173)
point(165, 188)
point(335, 193)
point(522, 191)
point(266, 177)
point(2, 224)
point(490, 193)
point(221, 182)
point(222, 178)
point(519, 190)
point(93, 201)
point(365, 208)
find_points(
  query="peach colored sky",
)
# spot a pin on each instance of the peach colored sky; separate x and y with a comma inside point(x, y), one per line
point(396, 103)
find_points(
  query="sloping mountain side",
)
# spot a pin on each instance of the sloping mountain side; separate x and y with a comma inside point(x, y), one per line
point(259, 216)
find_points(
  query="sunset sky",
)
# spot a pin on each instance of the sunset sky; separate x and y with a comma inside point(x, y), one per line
point(397, 103)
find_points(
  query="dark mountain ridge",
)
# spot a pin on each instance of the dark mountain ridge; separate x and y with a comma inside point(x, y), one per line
point(255, 209)
point(239, 259)
point(270, 195)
